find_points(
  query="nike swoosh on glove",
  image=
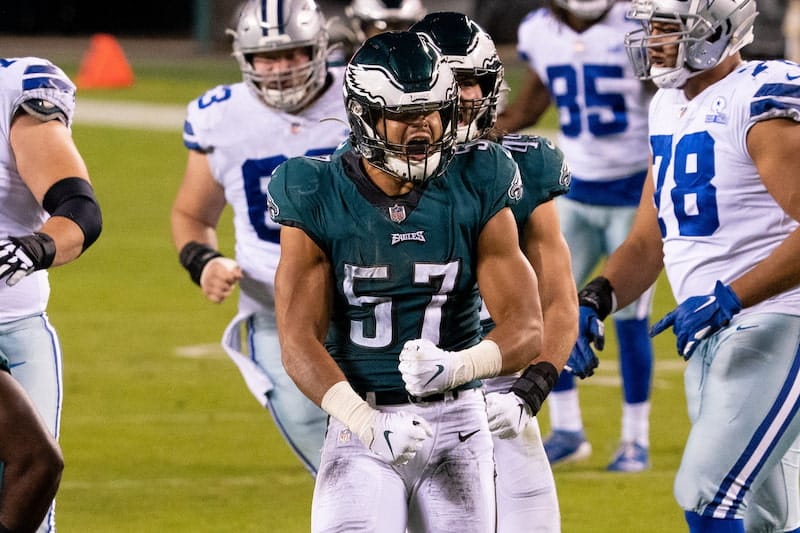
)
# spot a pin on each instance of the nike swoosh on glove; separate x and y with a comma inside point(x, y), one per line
point(508, 414)
point(426, 368)
point(396, 437)
point(699, 317)
point(582, 359)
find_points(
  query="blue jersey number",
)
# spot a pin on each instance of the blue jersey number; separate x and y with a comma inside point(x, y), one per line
point(565, 78)
point(217, 94)
point(256, 173)
point(694, 198)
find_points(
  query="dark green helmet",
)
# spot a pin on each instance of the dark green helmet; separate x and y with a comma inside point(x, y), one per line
point(472, 55)
point(397, 74)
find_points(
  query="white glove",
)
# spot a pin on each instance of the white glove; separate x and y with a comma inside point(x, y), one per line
point(395, 437)
point(508, 414)
point(427, 369)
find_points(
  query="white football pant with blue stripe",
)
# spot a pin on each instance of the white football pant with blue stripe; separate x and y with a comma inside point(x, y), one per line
point(743, 394)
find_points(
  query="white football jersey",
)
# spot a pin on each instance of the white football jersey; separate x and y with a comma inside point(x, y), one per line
point(716, 217)
point(23, 79)
point(602, 107)
point(245, 140)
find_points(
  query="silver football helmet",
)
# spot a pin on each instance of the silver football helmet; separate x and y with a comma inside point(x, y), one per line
point(472, 55)
point(396, 74)
point(708, 32)
point(282, 25)
point(585, 9)
point(382, 15)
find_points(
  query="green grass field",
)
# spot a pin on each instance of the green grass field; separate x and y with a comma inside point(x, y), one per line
point(159, 431)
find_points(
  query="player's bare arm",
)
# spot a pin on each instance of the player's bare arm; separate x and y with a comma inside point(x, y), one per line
point(194, 218)
point(303, 292)
point(510, 290)
point(638, 261)
point(546, 249)
point(41, 169)
point(779, 165)
point(198, 204)
point(528, 106)
point(303, 295)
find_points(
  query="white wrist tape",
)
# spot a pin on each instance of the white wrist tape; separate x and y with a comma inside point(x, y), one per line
point(483, 360)
point(345, 405)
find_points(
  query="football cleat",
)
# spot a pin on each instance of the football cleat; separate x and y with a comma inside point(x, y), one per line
point(630, 457)
point(564, 447)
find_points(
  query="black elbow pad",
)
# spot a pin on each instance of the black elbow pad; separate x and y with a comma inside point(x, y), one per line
point(74, 199)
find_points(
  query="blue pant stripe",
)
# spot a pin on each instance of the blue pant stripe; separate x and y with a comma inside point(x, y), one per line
point(761, 445)
point(281, 429)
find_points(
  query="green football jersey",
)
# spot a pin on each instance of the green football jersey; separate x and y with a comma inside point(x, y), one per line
point(404, 266)
point(543, 170)
point(544, 175)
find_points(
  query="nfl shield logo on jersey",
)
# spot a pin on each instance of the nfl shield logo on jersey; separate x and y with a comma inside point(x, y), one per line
point(397, 213)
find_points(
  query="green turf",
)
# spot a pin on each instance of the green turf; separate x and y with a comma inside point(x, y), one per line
point(155, 441)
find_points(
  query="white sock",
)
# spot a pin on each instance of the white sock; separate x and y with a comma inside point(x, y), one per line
point(636, 423)
point(565, 411)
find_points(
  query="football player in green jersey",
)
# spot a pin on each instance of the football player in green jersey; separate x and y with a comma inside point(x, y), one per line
point(383, 248)
point(526, 492)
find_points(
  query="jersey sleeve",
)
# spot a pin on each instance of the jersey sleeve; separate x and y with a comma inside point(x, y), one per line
point(42, 89)
point(528, 32)
point(502, 186)
point(542, 166)
point(778, 93)
point(202, 118)
point(294, 197)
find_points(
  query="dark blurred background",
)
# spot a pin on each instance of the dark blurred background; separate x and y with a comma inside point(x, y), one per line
point(206, 20)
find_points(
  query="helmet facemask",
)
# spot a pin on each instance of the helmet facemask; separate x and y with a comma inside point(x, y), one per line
point(478, 115)
point(414, 161)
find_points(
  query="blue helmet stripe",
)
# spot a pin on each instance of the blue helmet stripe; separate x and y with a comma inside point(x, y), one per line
point(266, 24)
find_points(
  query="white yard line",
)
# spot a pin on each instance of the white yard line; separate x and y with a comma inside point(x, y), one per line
point(137, 115)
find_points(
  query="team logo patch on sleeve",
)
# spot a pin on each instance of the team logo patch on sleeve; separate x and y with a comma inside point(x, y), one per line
point(272, 207)
point(515, 189)
point(566, 176)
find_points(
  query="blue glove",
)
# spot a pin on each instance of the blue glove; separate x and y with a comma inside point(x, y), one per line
point(699, 317)
point(582, 360)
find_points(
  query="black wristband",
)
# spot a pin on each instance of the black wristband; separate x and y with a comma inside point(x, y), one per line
point(535, 384)
point(194, 256)
point(39, 247)
point(599, 295)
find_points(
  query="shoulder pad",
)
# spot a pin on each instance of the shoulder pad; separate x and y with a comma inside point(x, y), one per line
point(44, 110)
